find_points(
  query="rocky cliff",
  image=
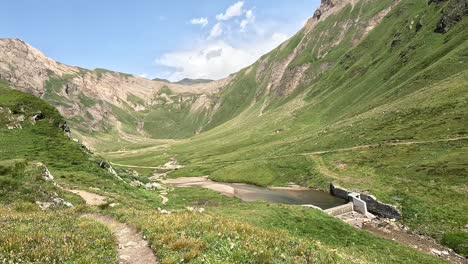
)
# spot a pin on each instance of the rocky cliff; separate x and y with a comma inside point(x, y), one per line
point(98, 98)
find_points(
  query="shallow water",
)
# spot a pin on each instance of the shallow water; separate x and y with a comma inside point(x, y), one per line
point(320, 199)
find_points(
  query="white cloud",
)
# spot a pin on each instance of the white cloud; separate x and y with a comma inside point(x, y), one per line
point(216, 31)
point(216, 59)
point(249, 19)
point(233, 11)
point(203, 21)
point(143, 75)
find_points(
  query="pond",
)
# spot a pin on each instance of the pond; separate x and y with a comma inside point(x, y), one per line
point(250, 193)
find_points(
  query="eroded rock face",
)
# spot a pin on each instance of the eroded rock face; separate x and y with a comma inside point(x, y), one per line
point(89, 94)
point(26, 67)
point(324, 7)
point(451, 15)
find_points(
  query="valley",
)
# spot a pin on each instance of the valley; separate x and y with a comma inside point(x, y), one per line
point(370, 95)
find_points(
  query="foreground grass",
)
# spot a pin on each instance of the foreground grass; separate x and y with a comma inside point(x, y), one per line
point(231, 231)
point(54, 237)
point(201, 238)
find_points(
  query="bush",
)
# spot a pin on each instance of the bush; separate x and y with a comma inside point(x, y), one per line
point(457, 241)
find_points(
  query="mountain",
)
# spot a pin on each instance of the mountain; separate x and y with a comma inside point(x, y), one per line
point(188, 81)
point(161, 80)
point(370, 95)
point(104, 101)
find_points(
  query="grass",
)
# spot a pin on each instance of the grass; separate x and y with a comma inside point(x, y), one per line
point(135, 99)
point(186, 237)
point(100, 72)
point(58, 237)
point(259, 232)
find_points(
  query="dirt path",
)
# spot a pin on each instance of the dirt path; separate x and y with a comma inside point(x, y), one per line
point(406, 143)
point(134, 166)
point(421, 243)
point(132, 248)
point(90, 198)
point(361, 147)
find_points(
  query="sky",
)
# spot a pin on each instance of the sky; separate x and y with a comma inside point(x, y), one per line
point(173, 39)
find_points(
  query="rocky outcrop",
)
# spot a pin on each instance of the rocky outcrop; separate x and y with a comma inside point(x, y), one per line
point(26, 67)
point(324, 7)
point(453, 13)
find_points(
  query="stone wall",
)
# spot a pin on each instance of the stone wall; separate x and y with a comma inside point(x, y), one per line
point(373, 206)
point(339, 210)
point(337, 191)
point(380, 209)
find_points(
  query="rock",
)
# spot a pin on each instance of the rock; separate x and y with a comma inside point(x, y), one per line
point(54, 202)
point(324, 6)
point(451, 15)
point(171, 165)
point(113, 205)
point(136, 183)
point(65, 128)
point(46, 175)
point(103, 164)
point(436, 252)
point(44, 205)
point(158, 176)
point(154, 186)
point(195, 210)
point(162, 211)
point(38, 116)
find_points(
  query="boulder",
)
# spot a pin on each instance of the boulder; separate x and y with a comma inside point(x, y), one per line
point(38, 116)
point(136, 183)
point(154, 186)
point(65, 127)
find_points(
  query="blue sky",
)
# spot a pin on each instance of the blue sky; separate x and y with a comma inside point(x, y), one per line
point(167, 39)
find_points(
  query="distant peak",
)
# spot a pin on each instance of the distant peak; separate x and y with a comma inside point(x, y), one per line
point(188, 81)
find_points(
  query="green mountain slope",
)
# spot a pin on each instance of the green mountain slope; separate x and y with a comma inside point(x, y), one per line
point(388, 107)
point(59, 234)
